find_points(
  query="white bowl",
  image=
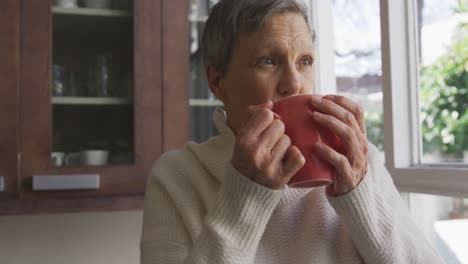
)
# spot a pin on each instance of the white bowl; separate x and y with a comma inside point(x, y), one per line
point(66, 3)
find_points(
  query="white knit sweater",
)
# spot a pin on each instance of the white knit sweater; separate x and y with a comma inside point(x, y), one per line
point(199, 209)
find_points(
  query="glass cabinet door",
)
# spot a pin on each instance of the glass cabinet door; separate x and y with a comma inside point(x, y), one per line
point(92, 83)
point(202, 102)
point(91, 95)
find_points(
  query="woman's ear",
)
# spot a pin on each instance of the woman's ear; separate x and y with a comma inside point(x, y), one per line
point(213, 75)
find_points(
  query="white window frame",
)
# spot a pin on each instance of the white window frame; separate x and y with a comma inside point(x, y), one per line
point(401, 110)
point(322, 23)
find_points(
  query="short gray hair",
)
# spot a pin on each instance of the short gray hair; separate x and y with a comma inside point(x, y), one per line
point(229, 17)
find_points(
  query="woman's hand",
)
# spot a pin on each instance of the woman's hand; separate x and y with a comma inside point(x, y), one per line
point(263, 152)
point(346, 119)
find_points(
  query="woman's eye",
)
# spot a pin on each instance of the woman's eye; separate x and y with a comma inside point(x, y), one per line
point(308, 61)
point(266, 61)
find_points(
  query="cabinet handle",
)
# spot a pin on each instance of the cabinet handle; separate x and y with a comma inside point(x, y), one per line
point(65, 182)
point(2, 184)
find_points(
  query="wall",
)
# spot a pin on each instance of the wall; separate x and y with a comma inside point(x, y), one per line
point(84, 238)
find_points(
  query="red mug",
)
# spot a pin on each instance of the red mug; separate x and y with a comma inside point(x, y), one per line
point(296, 112)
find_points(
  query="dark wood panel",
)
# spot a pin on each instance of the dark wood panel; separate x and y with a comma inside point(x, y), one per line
point(148, 80)
point(70, 205)
point(9, 81)
point(176, 73)
point(35, 86)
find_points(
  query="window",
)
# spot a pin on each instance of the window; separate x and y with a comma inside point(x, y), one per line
point(403, 70)
point(358, 63)
point(442, 31)
point(347, 65)
point(403, 36)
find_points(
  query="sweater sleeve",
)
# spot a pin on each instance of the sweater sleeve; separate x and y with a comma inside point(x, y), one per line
point(379, 222)
point(231, 230)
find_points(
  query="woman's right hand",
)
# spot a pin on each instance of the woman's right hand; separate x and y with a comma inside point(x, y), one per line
point(262, 151)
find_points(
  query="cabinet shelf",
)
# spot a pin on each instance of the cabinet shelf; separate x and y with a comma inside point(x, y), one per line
point(90, 101)
point(85, 21)
point(80, 11)
point(205, 102)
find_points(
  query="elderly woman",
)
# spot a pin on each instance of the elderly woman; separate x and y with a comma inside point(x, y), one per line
point(226, 200)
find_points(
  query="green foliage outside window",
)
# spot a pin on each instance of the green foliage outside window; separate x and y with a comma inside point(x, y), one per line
point(444, 98)
point(374, 128)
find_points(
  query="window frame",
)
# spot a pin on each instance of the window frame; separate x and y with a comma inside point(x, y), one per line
point(322, 22)
point(401, 130)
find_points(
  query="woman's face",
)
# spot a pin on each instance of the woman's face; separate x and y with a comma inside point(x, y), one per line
point(272, 63)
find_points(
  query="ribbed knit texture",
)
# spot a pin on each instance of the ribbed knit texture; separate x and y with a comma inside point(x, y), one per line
point(199, 209)
point(243, 210)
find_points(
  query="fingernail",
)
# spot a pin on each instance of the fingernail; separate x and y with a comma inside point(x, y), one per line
point(268, 104)
point(316, 99)
point(329, 96)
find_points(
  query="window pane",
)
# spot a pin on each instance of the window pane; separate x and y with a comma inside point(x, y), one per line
point(358, 62)
point(442, 219)
point(443, 80)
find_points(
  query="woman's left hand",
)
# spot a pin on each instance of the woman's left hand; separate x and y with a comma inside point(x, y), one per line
point(346, 119)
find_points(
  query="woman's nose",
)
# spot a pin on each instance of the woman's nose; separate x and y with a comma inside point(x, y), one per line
point(290, 82)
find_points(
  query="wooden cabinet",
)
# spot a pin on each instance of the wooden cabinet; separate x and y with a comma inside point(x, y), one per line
point(133, 128)
point(9, 76)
